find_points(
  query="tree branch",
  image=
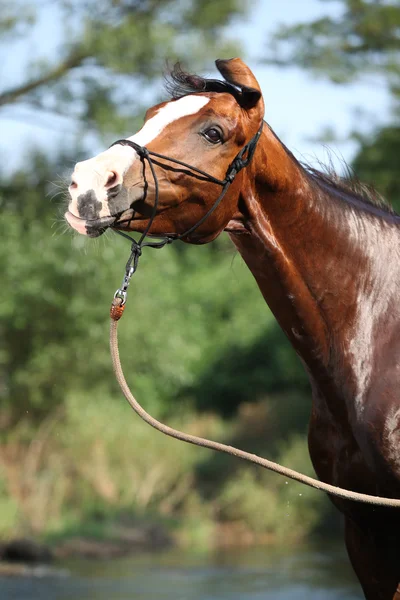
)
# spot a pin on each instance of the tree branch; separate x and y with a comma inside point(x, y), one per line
point(12, 95)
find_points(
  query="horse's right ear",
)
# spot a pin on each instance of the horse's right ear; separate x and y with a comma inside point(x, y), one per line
point(235, 71)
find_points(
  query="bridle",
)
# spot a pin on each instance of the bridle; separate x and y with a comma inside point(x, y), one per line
point(241, 160)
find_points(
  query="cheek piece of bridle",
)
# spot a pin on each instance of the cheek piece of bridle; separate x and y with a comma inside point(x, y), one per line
point(242, 160)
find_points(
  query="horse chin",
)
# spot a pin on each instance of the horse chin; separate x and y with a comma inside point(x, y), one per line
point(90, 227)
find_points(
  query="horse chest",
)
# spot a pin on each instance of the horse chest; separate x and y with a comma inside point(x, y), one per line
point(334, 452)
point(363, 455)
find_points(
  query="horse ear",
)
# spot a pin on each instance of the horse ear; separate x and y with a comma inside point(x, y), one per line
point(236, 72)
point(250, 97)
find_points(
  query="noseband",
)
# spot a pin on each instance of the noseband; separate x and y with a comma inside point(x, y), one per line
point(241, 160)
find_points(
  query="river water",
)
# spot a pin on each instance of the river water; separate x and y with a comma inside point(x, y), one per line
point(318, 572)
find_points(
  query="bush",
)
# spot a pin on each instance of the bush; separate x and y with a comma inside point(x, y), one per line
point(271, 504)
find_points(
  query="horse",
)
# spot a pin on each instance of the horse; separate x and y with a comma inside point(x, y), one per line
point(324, 253)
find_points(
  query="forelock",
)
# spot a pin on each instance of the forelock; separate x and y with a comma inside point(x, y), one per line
point(179, 83)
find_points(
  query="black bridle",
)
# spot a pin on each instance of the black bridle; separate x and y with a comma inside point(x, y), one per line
point(241, 160)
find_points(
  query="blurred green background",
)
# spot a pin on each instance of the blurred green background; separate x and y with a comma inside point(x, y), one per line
point(200, 348)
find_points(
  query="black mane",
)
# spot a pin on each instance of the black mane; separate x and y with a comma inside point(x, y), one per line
point(348, 186)
point(179, 83)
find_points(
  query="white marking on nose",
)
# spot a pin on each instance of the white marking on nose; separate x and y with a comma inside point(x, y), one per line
point(94, 174)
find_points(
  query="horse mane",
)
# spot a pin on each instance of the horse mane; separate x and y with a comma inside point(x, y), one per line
point(349, 185)
point(180, 83)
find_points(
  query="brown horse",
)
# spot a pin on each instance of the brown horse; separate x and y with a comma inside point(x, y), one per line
point(326, 259)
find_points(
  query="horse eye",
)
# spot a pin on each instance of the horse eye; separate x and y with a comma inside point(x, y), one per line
point(213, 135)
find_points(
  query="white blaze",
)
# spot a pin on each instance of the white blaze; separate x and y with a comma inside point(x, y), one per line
point(188, 105)
point(89, 174)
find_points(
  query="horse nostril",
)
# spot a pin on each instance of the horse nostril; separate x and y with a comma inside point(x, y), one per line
point(73, 185)
point(112, 180)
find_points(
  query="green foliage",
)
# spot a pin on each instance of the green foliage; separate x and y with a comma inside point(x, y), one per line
point(9, 514)
point(126, 465)
point(108, 50)
point(271, 504)
point(364, 38)
point(13, 22)
point(93, 465)
point(378, 162)
point(177, 334)
point(249, 368)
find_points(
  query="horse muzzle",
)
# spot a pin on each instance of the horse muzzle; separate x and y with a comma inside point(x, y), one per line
point(90, 227)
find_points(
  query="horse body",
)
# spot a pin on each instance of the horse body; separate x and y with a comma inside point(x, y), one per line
point(327, 263)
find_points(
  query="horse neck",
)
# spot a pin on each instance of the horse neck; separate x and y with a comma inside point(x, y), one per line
point(314, 258)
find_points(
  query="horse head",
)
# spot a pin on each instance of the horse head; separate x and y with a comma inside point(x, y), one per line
point(205, 126)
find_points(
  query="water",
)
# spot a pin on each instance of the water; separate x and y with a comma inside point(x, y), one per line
point(305, 573)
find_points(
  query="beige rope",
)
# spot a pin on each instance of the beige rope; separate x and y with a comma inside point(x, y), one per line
point(116, 313)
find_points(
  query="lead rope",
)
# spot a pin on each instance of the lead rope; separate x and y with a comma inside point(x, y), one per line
point(118, 305)
point(117, 308)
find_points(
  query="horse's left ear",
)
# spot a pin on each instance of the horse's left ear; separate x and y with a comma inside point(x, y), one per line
point(235, 71)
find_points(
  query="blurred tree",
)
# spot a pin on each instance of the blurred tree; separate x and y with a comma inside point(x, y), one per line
point(54, 307)
point(249, 372)
point(364, 39)
point(378, 162)
point(108, 52)
point(185, 340)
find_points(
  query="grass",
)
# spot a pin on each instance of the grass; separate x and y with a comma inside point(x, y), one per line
point(94, 465)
